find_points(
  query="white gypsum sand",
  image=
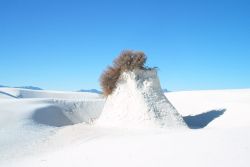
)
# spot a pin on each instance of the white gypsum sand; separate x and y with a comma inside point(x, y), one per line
point(138, 101)
point(219, 133)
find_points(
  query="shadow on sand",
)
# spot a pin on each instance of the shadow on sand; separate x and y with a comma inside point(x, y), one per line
point(202, 120)
point(51, 116)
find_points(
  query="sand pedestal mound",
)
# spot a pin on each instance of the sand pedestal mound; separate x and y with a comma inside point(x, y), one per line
point(138, 102)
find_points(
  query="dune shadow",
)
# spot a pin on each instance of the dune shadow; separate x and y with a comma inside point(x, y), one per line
point(202, 120)
point(51, 116)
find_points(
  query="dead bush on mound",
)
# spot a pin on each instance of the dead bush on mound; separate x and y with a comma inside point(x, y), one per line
point(129, 60)
point(126, 61)
point(108, 80)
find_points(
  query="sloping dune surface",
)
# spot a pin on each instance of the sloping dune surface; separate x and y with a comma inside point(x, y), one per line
point(49, 128)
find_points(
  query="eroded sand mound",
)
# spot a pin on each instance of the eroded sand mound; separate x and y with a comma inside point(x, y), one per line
point(138, 101)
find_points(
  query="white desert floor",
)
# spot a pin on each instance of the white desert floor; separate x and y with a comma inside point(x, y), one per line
point(45, 129)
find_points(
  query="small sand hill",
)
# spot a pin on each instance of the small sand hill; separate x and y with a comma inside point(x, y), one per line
point(138, 101)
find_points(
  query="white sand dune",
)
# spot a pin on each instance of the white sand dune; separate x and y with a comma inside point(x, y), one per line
point(139, 100)
point(48, 128)
point(26, 93)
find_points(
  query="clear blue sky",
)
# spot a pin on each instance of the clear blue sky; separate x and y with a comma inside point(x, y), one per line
point(65, 45)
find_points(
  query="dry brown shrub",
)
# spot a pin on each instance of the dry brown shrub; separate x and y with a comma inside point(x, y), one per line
point(139, 60)
point(108, 80)
point(129, 60)
point(126, 61)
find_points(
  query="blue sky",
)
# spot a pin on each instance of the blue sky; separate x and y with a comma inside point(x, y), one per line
point(65, 45)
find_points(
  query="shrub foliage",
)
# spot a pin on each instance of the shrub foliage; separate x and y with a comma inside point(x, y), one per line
point(127, 61)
